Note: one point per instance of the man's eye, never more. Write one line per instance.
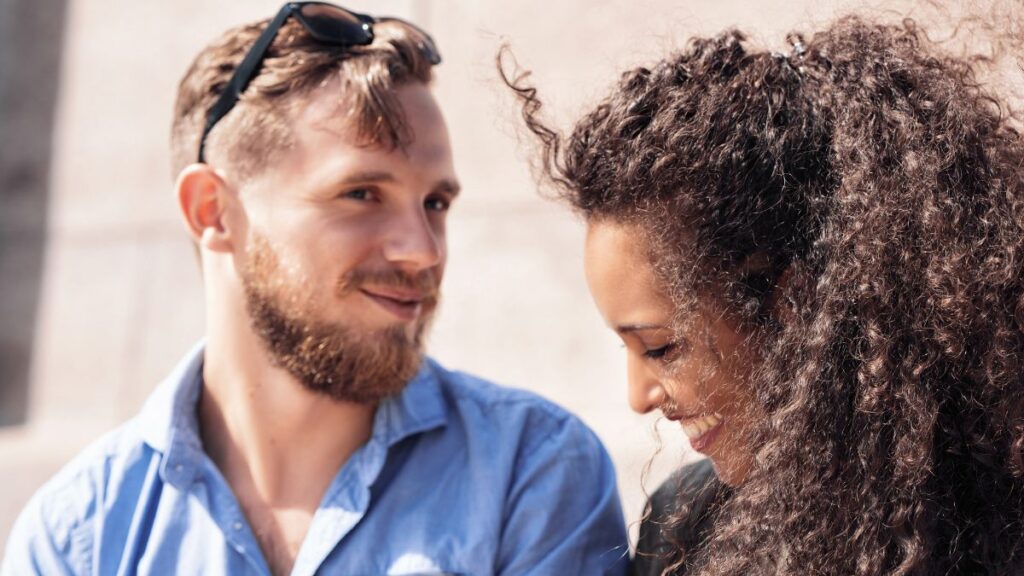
(437, 204)
(359, 194)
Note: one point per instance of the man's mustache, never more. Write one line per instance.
(424, 284)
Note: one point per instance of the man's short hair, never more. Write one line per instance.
(260, 124)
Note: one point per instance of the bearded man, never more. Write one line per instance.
(307, 433)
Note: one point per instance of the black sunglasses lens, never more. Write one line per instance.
(332, 24)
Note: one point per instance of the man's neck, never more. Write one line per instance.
(278, 445)
(258, 421)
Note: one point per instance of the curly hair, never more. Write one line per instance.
(884, 182)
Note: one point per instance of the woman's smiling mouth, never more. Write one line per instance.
(702, 430)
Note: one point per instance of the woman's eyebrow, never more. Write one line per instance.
(626, 328)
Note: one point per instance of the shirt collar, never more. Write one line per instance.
(418, 408)
(169, 415)
(170, 424)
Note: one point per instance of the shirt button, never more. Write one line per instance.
(177, 467)
(237, 525)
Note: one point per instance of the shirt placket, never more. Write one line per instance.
(227, 514)
(344, 506)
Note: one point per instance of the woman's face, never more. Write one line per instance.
(697, 381)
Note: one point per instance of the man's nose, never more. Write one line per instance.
(646, 392)
(413, 242)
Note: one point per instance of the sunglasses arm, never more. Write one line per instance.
(244, 73)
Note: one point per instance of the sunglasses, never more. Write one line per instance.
(326, 23)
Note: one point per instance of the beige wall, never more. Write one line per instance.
(119, 300)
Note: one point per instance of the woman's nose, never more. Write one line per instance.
(645, 390)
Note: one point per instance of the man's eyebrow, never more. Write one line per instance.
(367, 176)
(449, 187)
(626, 328)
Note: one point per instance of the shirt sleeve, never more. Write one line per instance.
(563, 514)
(37, 545)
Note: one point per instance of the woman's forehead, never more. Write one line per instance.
(621, 278)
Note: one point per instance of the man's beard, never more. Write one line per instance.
(344, 362)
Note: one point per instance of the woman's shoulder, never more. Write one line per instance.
(694, 486)
(684, 486)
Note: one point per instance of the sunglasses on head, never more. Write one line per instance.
(326, 23)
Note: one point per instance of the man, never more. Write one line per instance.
(307, 433)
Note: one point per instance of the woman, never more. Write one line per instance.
(815, 261)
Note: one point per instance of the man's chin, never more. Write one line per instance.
(366, 380)
(346, 363)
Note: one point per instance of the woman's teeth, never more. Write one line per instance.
(697, 427)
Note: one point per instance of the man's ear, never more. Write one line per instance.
(203, 200)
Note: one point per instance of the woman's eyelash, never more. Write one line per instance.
(656, 353)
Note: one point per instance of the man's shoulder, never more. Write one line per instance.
(508, 410)
(471, 392)
(101, 460)
(531, 455)
(63, 508)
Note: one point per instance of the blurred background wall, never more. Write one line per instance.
(99, 291)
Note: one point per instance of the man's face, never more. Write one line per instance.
(345, 248)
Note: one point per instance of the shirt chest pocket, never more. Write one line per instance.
(415, 564)
(427, 573)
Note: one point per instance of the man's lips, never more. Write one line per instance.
(404, 304)
(395, 293)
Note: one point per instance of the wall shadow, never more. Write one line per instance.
(31, 42)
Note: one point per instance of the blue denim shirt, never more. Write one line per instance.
(460, 476)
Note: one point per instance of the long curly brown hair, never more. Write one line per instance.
(884, 182)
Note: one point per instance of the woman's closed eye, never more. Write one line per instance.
(661, 352)
(669, 353)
